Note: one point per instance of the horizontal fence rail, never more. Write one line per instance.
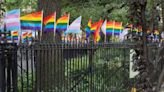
(49, 67)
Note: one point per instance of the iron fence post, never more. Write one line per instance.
(2, 70)
(91, 54)
(8, 66)
(14, 68)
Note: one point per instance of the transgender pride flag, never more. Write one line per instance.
(12, 20)
(75, 27)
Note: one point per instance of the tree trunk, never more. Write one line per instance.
(49, 60)
(49, 7)
(152, 17)
(162, 1)
(160, 81)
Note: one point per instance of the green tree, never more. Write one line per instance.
(23, 5)
(96, 9)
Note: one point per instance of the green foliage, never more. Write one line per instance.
(21, 4)
(106, 9)
(108, 71)
(22, 81)
(96, 9)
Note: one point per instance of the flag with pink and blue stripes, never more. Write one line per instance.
(12, 20)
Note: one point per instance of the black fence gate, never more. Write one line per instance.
(61, 67)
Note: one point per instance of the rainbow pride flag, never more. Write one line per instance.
(110, 27)
(156, 35)
(94, 27)
(32, 21)
(15, 35)
(88, 28)
(62, 23)
(140, 31)
(29, 35)
(156, 32)
(24, 37)
(97, 31)
(49, 22)
(12, 20)
(118, 28)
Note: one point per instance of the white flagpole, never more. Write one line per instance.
(54, 24)
(105, 38)
(105, 30)
(121, 28)
(35, 36)
(41, 26)
(19, 32)
(67, 23)
(113, 31)
(68, 20)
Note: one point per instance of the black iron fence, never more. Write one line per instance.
(61, 67)
(8, 68)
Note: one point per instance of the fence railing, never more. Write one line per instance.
(43, 67)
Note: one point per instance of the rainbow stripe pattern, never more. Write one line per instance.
(88, 28)
(12, 20)
(14, 35)
(94, 27)
(29, 35)
(97, 31)
(156, 34)
(24, 37)
(49, 22)
(32, 21)
(109, 27)
(118, 28)
(62, 23)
